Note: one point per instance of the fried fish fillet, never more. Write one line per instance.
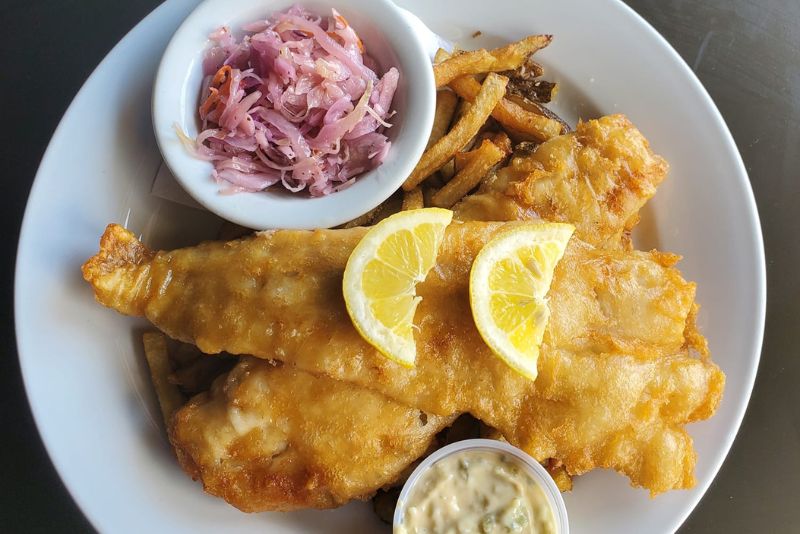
(272, 437)
(597, 178)
(617, 377)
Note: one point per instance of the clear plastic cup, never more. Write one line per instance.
(536, 471)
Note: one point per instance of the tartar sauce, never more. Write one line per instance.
(482, 492)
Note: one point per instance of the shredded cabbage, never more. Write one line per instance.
(294, 103)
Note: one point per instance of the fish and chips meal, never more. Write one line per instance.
(496, 294)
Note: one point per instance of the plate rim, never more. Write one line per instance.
(80, 501)
(742, 403)
(759, 318)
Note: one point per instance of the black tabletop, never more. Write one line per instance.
(746, 52)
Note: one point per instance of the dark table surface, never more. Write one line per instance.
(746, 52)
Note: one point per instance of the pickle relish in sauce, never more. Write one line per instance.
(477, 491)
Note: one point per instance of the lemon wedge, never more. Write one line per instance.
(508, 285)
(382, 273)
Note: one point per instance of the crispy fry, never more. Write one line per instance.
(509, 57)
(461, 110)
(461, 159)
(510, 114)
(440, 56)
(458, 65)
(483, 159)
(539, 109)
(447, 171)
(412, 200)
(500, 139)
(489, 94)
(169, 397)
(446, 102)
(514, 55)
(528, 70)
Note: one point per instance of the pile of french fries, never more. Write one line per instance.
(486, 101)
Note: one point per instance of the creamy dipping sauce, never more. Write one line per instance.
(482, 492)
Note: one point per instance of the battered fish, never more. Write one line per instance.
(617, 380)
(597, 178)
(271, 437)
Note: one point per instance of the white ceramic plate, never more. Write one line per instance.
(82, 365)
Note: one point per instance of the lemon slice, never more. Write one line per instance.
(508, 284)
(382, 274)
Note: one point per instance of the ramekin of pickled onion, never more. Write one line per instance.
(319, 125)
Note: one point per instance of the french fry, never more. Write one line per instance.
(446, 102)
(500, 139)
(510, 114)
(463, 108)
(489, 94)
(509, 57)
(461, 159)
(447, 171)
(539, 109)
(514, 55)
(483, 159)
(441, 55)
(459, 65)
(169, 396)
(412, 200)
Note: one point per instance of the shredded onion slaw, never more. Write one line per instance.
(296, 103)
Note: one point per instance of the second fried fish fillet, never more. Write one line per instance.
(271, 437)
(617, 382)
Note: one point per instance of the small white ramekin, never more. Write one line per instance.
(390, 38)
(539, 474)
